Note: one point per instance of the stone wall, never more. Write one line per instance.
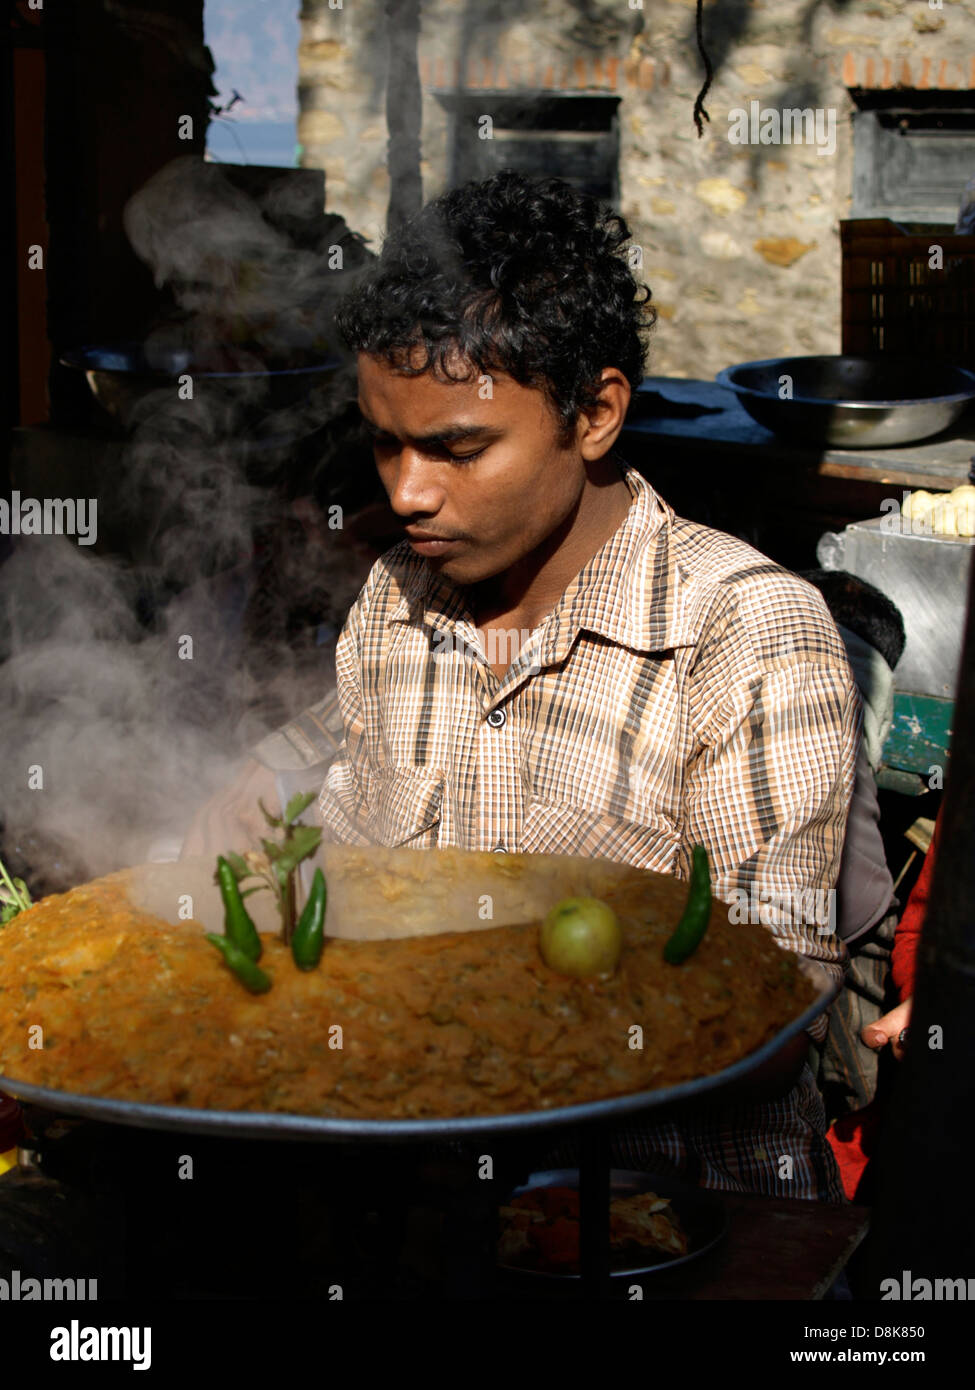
(740, 240)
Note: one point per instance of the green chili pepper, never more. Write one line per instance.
(309, 934)
(694, 921)
(249, 974)
(238, 926)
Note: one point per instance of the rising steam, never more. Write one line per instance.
(127, 725)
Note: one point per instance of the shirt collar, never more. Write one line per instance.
(632, 591)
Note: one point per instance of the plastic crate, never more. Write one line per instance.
(895, 302)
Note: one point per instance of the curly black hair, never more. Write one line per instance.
(509, 274)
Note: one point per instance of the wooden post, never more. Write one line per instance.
(404, 116)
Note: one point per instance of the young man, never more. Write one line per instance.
(551, 661)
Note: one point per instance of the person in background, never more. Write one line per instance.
(854, 1137)
(873, 633)
(892, 1028)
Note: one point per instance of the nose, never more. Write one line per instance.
(412, 484)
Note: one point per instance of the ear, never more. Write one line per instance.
(600, 425)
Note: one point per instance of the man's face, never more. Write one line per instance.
(483, 469)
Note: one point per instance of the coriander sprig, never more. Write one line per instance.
(14, 896)
(275, 867)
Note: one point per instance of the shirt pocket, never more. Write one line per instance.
(407, 807)
(553, 827)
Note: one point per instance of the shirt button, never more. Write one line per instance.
(497, 719)
(499, 848)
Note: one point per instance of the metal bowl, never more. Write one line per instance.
(123, 376)
(700, 1212)
(851, 402)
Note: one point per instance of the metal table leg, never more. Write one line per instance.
(594, 1197)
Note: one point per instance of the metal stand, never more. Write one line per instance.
(594, 1197)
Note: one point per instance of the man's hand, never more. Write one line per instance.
(888, 1030)
(231, 819)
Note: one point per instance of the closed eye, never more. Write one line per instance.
(465, 458)
(386, 441)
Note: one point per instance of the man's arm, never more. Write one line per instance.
(307, 744)
(231, 818)
(769, 793)
(310, 740)
(346, 796)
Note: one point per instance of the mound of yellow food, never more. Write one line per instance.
(462, 1023)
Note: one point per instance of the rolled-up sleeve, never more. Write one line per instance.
(310, 740)
(345, 797)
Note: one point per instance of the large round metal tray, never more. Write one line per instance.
(852, 402)
(258, 1125)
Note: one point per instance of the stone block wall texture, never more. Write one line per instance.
(740, 242)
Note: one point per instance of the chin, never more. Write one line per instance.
(466, 570)
(456, 571)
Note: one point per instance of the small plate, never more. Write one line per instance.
(700, 1212)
